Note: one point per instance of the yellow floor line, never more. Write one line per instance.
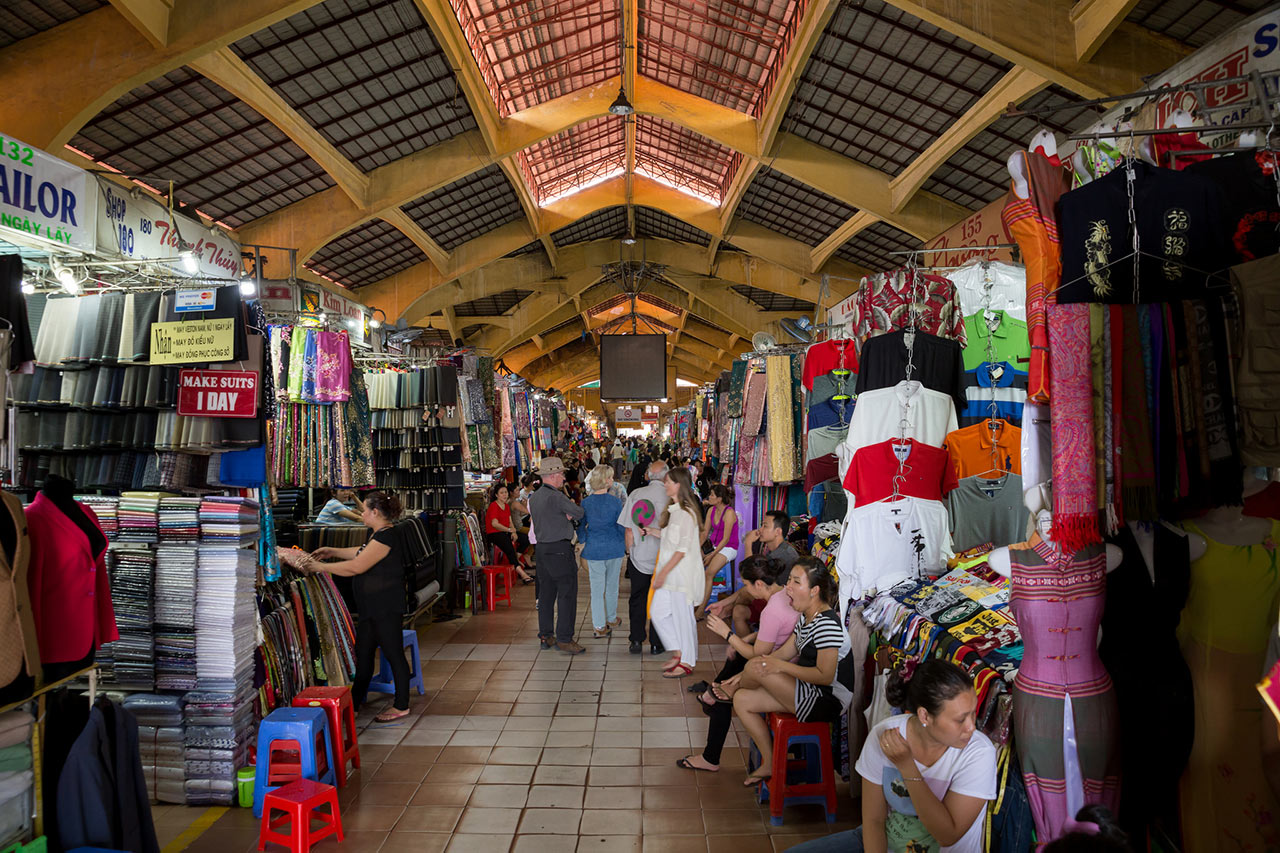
(195, 830)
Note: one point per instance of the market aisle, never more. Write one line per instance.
(518, 749)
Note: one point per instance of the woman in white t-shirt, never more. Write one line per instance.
(927, 775)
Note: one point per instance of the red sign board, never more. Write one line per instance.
(218, 393)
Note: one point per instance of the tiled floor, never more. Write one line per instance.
(517, 749)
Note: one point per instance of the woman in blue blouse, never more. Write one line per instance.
(604, 547)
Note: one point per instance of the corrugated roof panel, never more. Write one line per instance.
(767, 300)
(20, 19)
(367, 74)
(1193, 22)
(881, 85)
(789, 207)
(527, 249)
(584, 154)
(977, 174)
(493, 305)
(531, 51)
(651, 222)
(468, 208)
(223, 157)
(870, 247)
(681, 158)
(365, 254)
(728, 52)
(601, 225)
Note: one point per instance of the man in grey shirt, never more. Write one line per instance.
(642, 553)
(552, 515)
(769, 541)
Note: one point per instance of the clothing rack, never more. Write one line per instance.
(1190, 86)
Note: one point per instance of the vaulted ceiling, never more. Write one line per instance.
(454, 162)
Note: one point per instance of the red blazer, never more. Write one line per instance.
(70, 591)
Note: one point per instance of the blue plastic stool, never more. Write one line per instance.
(309, 728)
(386, 682)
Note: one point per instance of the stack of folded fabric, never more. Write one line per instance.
(106, 509)
(16, 779)
(160, 732)
(225, 616)
(179, 519)
(138, 512)
(175, 617)
(131, 569)
(232, 521)
(219, 729)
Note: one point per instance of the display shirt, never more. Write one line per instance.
(991, 445)
(987, 511)
(1248, 182)
(825, 356)
(926, 472)
(908, 298)
(936, 362)
(1181, 231)
(991, 284)
(831, 386)
(884, 543)
(994, 391)
(995, 336)
(833, 412)
(907, 410)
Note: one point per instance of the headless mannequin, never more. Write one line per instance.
(998, 559)
(61, 491)
(1079, 164)
(1046, 144)
(1230, 526)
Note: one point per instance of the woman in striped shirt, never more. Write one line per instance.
(818, 686)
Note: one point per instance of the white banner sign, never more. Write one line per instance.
(140, 228)
(316, 299)
(628, 414)
(45, 199)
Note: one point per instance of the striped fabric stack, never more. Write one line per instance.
(179, 520)
(228, 521)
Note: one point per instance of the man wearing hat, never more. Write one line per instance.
(553, 515)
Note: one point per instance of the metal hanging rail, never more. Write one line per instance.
(1049, 109)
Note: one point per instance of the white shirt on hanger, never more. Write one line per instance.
(1007, 291)
(887, 542)
(907, 410)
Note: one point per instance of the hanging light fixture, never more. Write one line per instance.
(65, 276)
(621, 106)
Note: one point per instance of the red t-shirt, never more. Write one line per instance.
(819, 470)
(826, 356)
(498, 512)
(927, 472)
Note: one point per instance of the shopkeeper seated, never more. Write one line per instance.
(343, 507)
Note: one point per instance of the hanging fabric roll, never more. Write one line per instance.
(782, 456)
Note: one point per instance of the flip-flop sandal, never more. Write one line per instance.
(686, 764)
(679, 671)
(384, 718)
(671, 665)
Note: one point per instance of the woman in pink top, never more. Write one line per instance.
(777, 622)
(720, 532)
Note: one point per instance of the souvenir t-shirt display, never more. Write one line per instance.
(907, 410)
(894, 356)
(916, 470)
(887, 542)
(825, 356)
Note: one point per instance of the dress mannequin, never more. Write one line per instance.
(1081, 164)
(999, 558)
(1018, 172)
(1146, 536)
(1045, 142)
(1225, 799)
(1064, 704)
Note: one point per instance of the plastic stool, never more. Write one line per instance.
(386, 681)
(794, 780)
(299, 800)
(338, 707)
(301, 730)
(469, 581)
(491, 575)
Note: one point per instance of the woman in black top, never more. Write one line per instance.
(378, 570)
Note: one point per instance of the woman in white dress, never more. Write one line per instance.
(677, 578)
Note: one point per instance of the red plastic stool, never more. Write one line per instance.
(782, 791)
(491, 575)
(299, 801)
(337, 704)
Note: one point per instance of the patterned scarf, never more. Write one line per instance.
(737, 383)
(1075, 495)
(1137, 459)
(781, 425)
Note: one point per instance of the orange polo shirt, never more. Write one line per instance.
(977, 450)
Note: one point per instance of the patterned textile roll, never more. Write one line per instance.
(782, 436)
(110, 319)
(754, 403)
(737, 384)
(146, 310)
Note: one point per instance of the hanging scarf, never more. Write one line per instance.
(1097, 370)
(1075, 496)
(782, 457)
(1137, 459)
(737, 382)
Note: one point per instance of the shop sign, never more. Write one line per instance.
(964, 241)
(194, 300)
(1254, 45)
(192, 341)
(137, 227)
(218, 393)
(317, 300)
(628, 413)
(42, 197)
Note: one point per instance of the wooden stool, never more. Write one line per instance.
(337, 705)
(299, 801)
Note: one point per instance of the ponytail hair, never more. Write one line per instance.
(927, 684)
(386, 505)
(757, 568)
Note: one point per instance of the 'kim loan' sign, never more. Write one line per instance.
(218, 393)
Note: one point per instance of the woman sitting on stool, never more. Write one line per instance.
(499, 532)
(818, 687)
(777, 622)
